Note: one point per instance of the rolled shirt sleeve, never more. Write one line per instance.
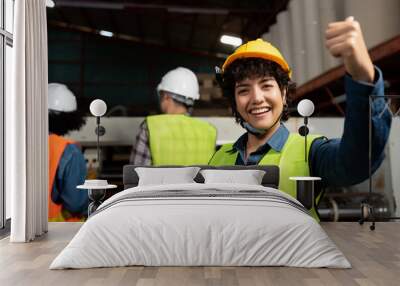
(71, 172)
(141, 154)
(345, 161)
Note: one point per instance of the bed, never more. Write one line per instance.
(201, 224)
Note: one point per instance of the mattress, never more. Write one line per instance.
(201, 225)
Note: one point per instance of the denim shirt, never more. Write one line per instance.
(71, 172)
(276, 142)
(342, 161)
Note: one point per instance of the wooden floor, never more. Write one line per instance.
(375, 256)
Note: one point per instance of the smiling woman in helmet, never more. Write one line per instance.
(67, 167)
(257, 81)
(175, 138)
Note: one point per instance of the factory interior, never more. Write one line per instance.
(120, 52)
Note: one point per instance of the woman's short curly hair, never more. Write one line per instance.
(61, 123)
(251, 68)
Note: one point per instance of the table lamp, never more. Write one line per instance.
(97, 188)
(305, 185)
(98, 108)
(305, 108)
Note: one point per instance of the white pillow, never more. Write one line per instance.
(249, 177)
(166, 176)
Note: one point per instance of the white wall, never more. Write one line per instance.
(380, 20)
(298, 50)
(305, 22)
(327, 14)
(285, 43)
(122, 131)
(312, 35)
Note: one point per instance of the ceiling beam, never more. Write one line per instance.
(215, 42)
(130, 38)
(87, 18)
(61, 14)
(189, 43)
(245, 23)
(380, 52)
(139, 26)
(252, 24)
(278, 6)
(113, 22)
(165, 29)
(334, 102)
(184, 9)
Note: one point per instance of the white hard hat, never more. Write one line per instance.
(61, 98)
(180, 81)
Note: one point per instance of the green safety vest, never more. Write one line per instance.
(290, 161)
(180, 140)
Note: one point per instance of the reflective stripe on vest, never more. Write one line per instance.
(290, 161)
(180, 140)
(57, 145)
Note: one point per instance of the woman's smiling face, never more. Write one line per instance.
(259, 101)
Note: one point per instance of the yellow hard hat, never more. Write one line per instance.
(258, 49)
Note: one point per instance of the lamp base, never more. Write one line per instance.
(305, 190)
(96, 196)
(96, 193)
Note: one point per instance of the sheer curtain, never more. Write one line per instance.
(27, 123)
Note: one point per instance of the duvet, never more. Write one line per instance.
(201, 224)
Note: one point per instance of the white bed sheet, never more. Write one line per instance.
(202, 231)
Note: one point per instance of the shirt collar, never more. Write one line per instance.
(276, 142)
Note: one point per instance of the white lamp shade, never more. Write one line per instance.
(98, 107)
(305, 108)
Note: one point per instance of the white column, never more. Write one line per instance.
(266, 37)
(273, 30)
(380, 20)
(313, 43)
(285, 31)
(299, 64)
(327, 14)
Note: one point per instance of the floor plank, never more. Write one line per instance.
(374, 255)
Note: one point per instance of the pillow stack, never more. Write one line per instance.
(185, 175)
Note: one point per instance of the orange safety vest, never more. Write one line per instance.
(57, 145)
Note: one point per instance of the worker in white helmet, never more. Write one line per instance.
(175, 138)
(67, 167)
